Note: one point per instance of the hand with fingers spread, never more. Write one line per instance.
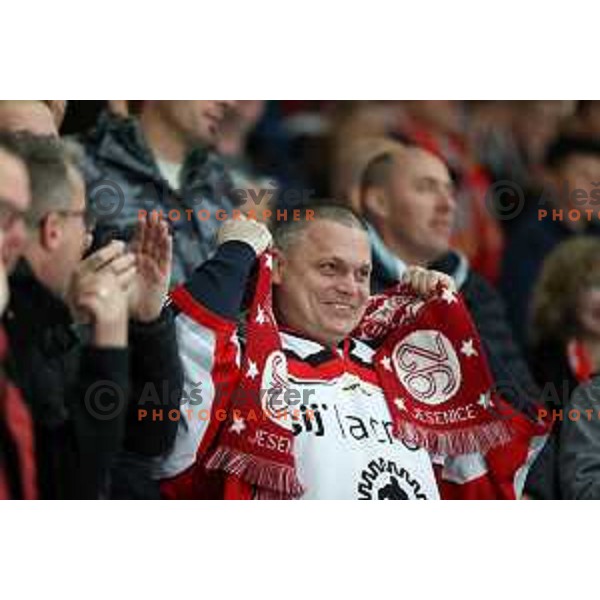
(153, 249)
(251, 232)
(99, 293)
(425, 281)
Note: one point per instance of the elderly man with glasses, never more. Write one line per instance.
(90, 338)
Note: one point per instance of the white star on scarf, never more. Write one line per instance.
(400, 403)
(467, 348)
(385, 361)
(448, 296)
(252, 370)
(269, 261)
(485, 401)
(261, 317)
(238, 425)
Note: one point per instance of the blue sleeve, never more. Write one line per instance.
(219, 284)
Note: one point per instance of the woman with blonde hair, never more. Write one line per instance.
(565, 348)
(565, 312)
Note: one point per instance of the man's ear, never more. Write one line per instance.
(50, 232)
(375, 203)
(278, 266)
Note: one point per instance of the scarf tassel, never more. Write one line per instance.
(475, 439)
(274, 480)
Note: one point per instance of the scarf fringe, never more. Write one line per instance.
(264, 494)
(474, 439)
(274, 480)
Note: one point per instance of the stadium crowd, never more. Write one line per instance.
(135, 240)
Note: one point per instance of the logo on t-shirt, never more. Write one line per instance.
(384, 480)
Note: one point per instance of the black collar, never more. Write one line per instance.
(32, 302)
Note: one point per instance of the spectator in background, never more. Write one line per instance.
(407, 196)
(573, 166)
(512, 137)
(14, 201)
(17, 460)
(235, 129)
(84, 384)
(438, 126)
(162, 160)
(565, 352)
(232, 146)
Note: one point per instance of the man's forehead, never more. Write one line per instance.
(324, 237)
(14, 180)
(422, 163)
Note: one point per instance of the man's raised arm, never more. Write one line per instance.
(219, 284)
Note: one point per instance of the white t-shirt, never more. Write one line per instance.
(345, 449)
(170, 171)
(344, 446)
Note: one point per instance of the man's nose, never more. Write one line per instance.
(447, 201)
(347, 285)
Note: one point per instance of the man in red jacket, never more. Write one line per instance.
(331, 393)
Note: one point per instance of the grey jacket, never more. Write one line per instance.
(122, 179)
(579, 454)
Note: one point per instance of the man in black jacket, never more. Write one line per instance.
(85, 377)
(407, 197)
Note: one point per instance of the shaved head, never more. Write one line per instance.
(408, 197)
(287, 233)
